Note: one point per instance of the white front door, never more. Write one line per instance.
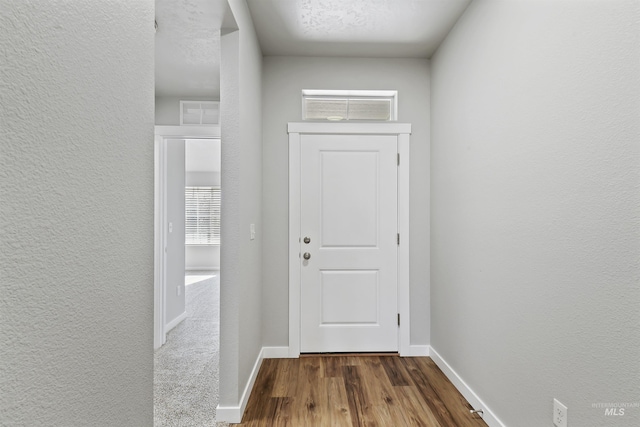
(348, 229)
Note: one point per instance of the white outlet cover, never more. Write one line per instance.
(559, 414)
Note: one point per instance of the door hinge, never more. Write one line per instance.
(398, 319)
(398, 159)
(398, 239)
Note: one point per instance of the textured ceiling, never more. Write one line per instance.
(188, 47)
(188, 40)
(379, 28)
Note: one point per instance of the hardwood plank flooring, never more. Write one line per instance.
(356, 391)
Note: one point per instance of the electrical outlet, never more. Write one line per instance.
(178, 290)
(559, 414)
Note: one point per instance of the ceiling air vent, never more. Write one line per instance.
(199, 112)
(336, 105)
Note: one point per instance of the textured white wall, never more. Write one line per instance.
(284, 79)
(76, 213)
(230, 267)
(241, 258)
(536, 207)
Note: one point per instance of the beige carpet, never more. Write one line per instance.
(186, 367)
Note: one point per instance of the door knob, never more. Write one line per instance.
(306, 255)
(307, 240)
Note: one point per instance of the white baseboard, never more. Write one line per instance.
(475, 401)
(233, 414)
(188, 269)
(175, 322)
(275, 352)
(415, 351)
(230, 414)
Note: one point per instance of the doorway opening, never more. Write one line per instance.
(187, 272)
(172, 257)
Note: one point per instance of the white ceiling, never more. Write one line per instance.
(188, 47)
(188, 40)
(361, 28)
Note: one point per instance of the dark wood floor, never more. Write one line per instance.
(346, 391)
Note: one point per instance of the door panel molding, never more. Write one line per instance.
(349, 212)
(402, 131)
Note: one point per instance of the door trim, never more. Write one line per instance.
(403, 131)
(162, 134)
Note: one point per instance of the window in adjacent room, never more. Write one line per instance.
(202, 216)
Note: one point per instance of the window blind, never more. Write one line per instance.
(335, 105)
(202, 216)
(347, 109)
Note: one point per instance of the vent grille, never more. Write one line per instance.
(199, 112)
(349, 105)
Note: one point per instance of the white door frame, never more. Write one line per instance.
(162, 134)
(403, 131)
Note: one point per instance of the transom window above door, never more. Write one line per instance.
(354, 105)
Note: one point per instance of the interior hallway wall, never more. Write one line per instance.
(284, 78)
(241, 259)
(76, 213)
(536, 207)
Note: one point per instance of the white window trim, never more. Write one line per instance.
(162, 134)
